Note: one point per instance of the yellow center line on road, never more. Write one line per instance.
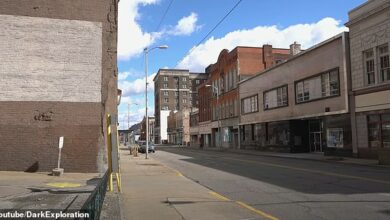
(219, 196)
(259, 212)
(244, 205)
(306, 170)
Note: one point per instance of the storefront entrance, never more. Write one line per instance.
(315, 135)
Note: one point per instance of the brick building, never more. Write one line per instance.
(369, 26)
(58, 77)
(230, 68)
(174, 89)
(151, 121)
(300, 105)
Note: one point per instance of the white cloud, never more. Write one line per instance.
(137, 86)
(132, 73)
(123, 75)
(131, 39)
(186, 25)
(305, 34)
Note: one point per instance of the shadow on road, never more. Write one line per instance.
(304, 176)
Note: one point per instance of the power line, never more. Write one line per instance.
(215, 27)
(164, 15)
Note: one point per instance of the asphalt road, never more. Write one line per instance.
(282, 188)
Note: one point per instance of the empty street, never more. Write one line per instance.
(283, 188)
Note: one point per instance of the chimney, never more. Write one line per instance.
(267, 55)
(295, 48)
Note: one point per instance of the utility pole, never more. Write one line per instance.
(146, 52)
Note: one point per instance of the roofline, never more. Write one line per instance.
(172, 70)
(359, 18)
(298, 55)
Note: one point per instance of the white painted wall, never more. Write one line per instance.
(44, 59)
(164, 124)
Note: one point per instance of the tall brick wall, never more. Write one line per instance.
(60, 80)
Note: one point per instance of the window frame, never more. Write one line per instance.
(380, 124)
(365, 60)
(276, 88)
(250, 102)
(314, 76)
(379, 66)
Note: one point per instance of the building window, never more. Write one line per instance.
(369, 66)
(378, 130)
(184, 100)
(166, 93)
(249, 104)
(197, 82)
(176, 93)
(335, 137)
(166, 100)
(384, 63)
(165, 85)
(184, 86)
(165, 78)
(324, 85)
(184, 93)
(276, 98)
(184, 79)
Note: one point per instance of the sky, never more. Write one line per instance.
(253, 23)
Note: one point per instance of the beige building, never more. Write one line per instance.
(300, 105)
(369, 26)
(179, 127)
(174, 89)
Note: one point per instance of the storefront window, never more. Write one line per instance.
(386, 130)
(278, 133)
(335, 137)
(379, 130)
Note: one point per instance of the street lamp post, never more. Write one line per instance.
(146, 51)
(218, 115)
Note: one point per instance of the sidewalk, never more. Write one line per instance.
(151, 190)
(20, 190)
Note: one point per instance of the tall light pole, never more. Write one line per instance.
(146, 51)
(218, 115)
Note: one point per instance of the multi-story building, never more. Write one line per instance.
(230, 68)
(194, 128)
(204, 124)
(58, 78)
(369, 26)
(151, 132)
(300, 105)
(174, 89)
(179, 127)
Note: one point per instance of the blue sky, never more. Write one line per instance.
(252, 23)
